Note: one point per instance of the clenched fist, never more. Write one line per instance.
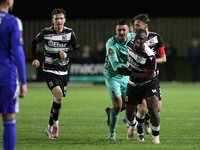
(62, 54)
(36, 63)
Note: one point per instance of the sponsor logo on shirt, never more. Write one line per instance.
(56, 44)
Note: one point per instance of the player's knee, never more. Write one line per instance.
(58, 93)
(57, 100)
(117, 108)
(153, 112)
(142, 109)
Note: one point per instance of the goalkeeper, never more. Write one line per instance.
(116, 56)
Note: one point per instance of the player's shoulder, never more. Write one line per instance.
(153, 34)
(111, 41)
(68, 29)
(148, 50)
(15, 21)
(131, 35)
(19, 22)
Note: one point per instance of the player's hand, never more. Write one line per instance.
(23, 91)
(62, 54)
(123, 71)
(127, 64)
(36, 63)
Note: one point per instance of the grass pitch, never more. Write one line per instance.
(82, 121)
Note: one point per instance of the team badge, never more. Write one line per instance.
(110, 52)
(64, 37)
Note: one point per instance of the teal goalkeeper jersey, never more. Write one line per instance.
(116, 56)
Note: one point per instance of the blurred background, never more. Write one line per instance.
(94, 23)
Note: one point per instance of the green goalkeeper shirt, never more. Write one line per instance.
(116, 56)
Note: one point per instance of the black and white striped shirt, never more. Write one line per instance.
(139, 62)
(53, 43)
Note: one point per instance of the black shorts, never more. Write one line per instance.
(54, 80)
(135, 94)
(159, 91)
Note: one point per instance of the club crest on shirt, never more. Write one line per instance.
(110, 52)
(64, 37)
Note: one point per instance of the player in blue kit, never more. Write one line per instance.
(116, 56)
(12, 63)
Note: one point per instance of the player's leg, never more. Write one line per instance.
(55, 111)
(131, 117)
(8, 97)
(152, 104)
(141, 111)
(114, 115)
(147, 127)
(57, 84)
(132, 97)
(114, 89)
(123, 91)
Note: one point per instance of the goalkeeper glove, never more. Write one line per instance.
(123, 71)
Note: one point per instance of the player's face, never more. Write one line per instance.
(122, 32)
(58, 20)
(138, 24)
(139, 41)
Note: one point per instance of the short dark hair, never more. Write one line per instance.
(123, 22)
(58, 11)
(141, 31)
(3, 2)
(142, 17)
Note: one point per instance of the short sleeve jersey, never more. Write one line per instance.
(155, 42)
(116, 56)
(53, 43)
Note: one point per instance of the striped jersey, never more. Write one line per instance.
(155, 42)
(53, 43)
(139, 62)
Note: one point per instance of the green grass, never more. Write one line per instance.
(83, 125)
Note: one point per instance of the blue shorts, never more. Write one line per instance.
(9, 96)
(117, 87)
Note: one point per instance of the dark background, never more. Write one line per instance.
(90, 9)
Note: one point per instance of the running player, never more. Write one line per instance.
(12, 63)
(57, 42)
(155, 42)
(116, 56)
(142, 84)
